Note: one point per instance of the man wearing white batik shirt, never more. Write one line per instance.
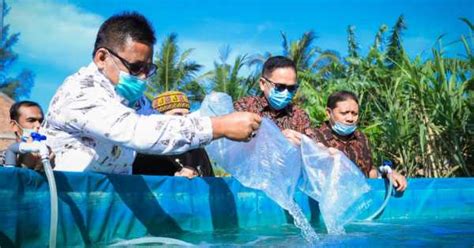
(90, 123)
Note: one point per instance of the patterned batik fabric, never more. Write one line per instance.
(290, 117)
(355, 147)
(90, 127)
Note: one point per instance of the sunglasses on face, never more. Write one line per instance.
(137, 68)
(282, 87)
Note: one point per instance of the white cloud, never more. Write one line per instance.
(57, 34)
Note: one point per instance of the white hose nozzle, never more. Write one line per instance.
(30, 147)
(35, 147)
(385, 169)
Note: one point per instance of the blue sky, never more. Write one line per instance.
(57, 36)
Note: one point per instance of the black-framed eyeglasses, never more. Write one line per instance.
(282, 87)
(137, 68)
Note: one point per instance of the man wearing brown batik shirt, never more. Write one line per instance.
(278, 84)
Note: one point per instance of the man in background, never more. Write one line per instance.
(279, 83)
(25, 118)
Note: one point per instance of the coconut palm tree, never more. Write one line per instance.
(305, 55)
(175, 70)
(226, 77)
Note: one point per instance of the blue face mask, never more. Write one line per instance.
(130, 87)
(26, 134)
(343, 129)
(279, 99)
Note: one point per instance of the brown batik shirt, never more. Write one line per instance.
(291, 117)
(355, 147)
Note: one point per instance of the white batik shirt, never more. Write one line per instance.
(90, 127)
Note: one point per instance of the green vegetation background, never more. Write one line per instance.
(416, 112)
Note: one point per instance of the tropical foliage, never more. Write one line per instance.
(227, 77)
(417, 112)
(175, 70)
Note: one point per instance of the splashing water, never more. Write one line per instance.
(272, 164)
(273, 167)
(302, 223)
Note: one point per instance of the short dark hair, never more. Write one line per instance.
(340, 96)
(113, 33)
(15, 109)
(277, 62)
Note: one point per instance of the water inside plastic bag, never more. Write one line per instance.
(269, 162)
(334, 181)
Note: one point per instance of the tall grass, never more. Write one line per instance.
(417, 113)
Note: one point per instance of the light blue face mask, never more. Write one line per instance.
(343, 129)
(130, 87)
(279, 99)
(26, 134)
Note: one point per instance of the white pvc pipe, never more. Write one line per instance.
(41, 147)
(53, 196)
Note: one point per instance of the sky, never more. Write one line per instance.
(57, 36)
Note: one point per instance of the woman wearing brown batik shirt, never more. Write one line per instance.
(340, 132)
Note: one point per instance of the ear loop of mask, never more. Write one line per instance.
(25, 132)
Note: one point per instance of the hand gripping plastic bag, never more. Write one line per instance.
(267, 162)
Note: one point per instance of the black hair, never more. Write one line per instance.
(277, 62)
(15, 109)
(113, 33)
(340, 96)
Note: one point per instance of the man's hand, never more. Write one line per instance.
(399, 181)
(33, 160)
(186, 172)
(237, 126)
(293, 136)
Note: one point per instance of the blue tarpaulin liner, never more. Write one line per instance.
(101, 209)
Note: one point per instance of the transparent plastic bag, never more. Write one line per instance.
(334, 181)
(216, 104)
(267, 162)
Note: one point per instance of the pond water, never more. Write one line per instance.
(400, 233)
